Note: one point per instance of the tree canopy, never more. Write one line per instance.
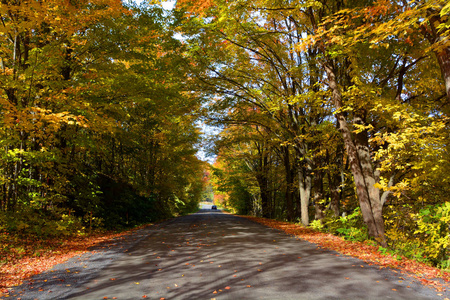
(334, 114)
(331, 108)
(98, 118)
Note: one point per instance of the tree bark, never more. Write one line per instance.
(289, 183)
(305, 183)
(359, 163)
(318, 195)
(365, 161)
(444, 63)
(435, 36)
(263, 183)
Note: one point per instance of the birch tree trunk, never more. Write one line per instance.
(305, 183)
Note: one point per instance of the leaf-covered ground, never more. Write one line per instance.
(23, 258)
(369, 253)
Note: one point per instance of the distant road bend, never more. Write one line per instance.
(213, 255)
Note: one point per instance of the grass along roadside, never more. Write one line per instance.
(427, 275)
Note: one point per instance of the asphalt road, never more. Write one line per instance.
(212, 255)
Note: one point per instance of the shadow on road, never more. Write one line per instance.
(215, 255)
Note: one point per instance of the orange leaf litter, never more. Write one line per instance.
(14, 272)
(368, 253)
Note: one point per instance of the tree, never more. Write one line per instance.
(253, 67)
(94, 98)
(289, 66)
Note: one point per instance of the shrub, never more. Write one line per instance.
(351, 227)
(422, 235)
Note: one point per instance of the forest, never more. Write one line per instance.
(332, 114)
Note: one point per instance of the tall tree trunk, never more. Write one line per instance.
(318, 194)
(305, 184)
(359, 162)
(263, 189)
(263, 181)
(289, 184)
(443, 57)
(335, 200)
(363, 151)
(442, 52)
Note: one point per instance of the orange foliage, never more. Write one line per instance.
(196, 7)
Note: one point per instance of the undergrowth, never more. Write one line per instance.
(423, 235)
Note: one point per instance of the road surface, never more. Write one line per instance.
(213, 255)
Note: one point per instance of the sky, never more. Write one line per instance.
(168, 5)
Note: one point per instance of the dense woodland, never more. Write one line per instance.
(98, 118)
(333, 113)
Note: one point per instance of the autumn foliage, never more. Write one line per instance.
(334, 114)
(333, 109)
(97, 122)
